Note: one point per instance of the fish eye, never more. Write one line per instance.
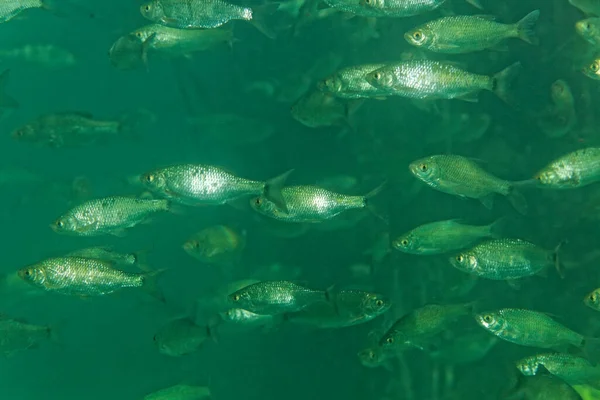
(138, 34)
(27, 272)
(378, 302)
(404, 242)
(595, 66)
(423, 167)
(147, 7)
(417, 35)
(235, 297)
(487, 318)
(593, 296)
(389, 340)
(258, 201)
(149, 178)
(377, 75)
(59, 224)
(460, 258)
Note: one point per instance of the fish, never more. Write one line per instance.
(217, 244)
(106, 254)
(183, 392)
(76, 129)
(542, 387)
(180, 337)
(275, 297)
(570, 368)
(443, 236)
(128, 53)
(592, 299)
(85, 277)
(201, 184)
(17, 335)
(560, 117)
(11, 8)
(45, 55)
(592, 70)
(504, 259)
(317, 109)
(374, 356)
(186, 14)
(401, 8)
(311, 204)
(417, 327)
(573, 170)
(589, 29)
(248, 319)
(530, 328)
(108, 216)
(469, 33)
(463, 177)
(426, 79)
(344, 308)
(351, 83)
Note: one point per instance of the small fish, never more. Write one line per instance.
(45, 55)
(504, 259)
(16, 336)
(542, 387)
(186, 14)
(592, 299)
(11, 8)
(443, 236)
(180, 337)
(418, 326)
(311, 204)
(276, 297)
(559, 118)
(108, 216)
(571, 369)
(571, 171)
(183, 392)
(462, 177)
(75, 129)
(592, 70)
(530, 328)
(589, 29)
(317, 109)
(217, 244)
(106, 254)
(77, 276)
(128, 53)
(200, 184)
(469, 33)
(374, 356)
(351, 83)
(344, 308)
(426, 79)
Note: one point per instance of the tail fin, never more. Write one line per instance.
(526, 27)
(273, 187)
(496, 228)
(502, 81)
(5, 100)
(517, 200)
(259, 18)
(150, 284)
(369, 205)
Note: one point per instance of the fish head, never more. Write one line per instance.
(425, 169)
(371, 357)
(265, 206)
(25, 133)
(380, 78)
(420, 36)
(154, 180)
(592, 70)
(64, 224)
(406, 243)
(592, 299)
(587, 28)
(240, 297)
(34, 275)
(560, 91)
(375, 304)
(152, 10)
(528, 366)
(372, 3)
(465, 262)
(491, 321)
(332, 84)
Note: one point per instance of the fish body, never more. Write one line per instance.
(77, 276)
(181, 392)
(200, 184)
(418, 326)
(247, 319)
(401, 8)
(543, 387)
(217, 244)
(574, 170)
(11, 8)
(109, 215)
(18, 336)
(275, 297)
(427, 79)
(351, 83)
(462, 177)
(571, 369)
(180, 337)
(179, 42)
(465, 33)
(441, 237)
(317, 109)
(103, 253)
(345, 308)
(504, 259)
(529, 328)
(310, 204)
(560, 117)
(67, 130)
(186, 14)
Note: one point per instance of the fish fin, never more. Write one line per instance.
(273, 187)
(487, 201)
(259, 19)
(514, 283)
(486, 17)
(526, 182)
(150, 283)
(556, 259)
(518, 201)
(591, 349)
(502, 81)
(475, 3)
(497, 227)
(526, 27)
(145, 46)
(121, 233)
(472, 97)
(5, 100)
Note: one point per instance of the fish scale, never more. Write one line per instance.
(11, 8)
(572, 369)
(185, 14)
(402, 8)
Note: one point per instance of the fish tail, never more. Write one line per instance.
(6, 101)
(502, 81)
(258, 18)
(150, 284)
(272, 189)
(367, 199)
(526, 27)
(556, 258)
(518, 201)
(497, 227)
